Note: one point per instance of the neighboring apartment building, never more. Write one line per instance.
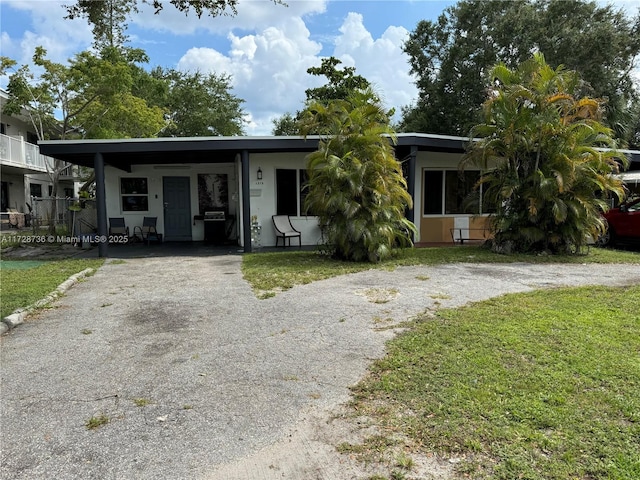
(23, 170)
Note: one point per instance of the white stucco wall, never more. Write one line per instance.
(262, 200)
(263, 196)
(154, 177)
(16, 127)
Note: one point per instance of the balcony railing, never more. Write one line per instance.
(18, 153)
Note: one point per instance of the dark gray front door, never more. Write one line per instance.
(177, 208)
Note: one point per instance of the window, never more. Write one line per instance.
(134, 194)
(291, 192)
(451, 192)
(460, 195)
(35, 190)
(432, 192)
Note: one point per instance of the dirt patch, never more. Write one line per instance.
(310, 451)
(379, 294)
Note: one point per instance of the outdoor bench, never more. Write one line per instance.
(472, 235)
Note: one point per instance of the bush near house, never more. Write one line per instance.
(546, 174)
(356, 187)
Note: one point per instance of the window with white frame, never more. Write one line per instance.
(134, 194)
(451, 192)
(291, 192)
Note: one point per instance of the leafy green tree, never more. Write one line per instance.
(451, 57)
(546, 160)
(73, 91)
(95, 11)
(126, 116)
(341, 83)
(108, 18)
(88, 95)
(287, 124)
(200, 105)
(356, 187)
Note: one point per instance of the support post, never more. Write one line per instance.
(411, 181)
(246, 202)
(101, 205)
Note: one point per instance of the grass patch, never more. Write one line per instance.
(440, 296)
(19, 291)
(275, 271)
(141, 402)
(96, 422)
(542, 385)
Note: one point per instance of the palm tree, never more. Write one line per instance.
(546, 160)
(355, 183)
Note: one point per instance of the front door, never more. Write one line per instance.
(177, 208)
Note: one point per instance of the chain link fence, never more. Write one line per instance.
(71, 215)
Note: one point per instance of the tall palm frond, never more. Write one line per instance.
(541, 153)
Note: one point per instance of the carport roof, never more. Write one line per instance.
(123, 153)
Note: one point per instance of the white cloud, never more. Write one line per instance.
(381, 61)
(268, 69)
(252, 15)
(48, 28)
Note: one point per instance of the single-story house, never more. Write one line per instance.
(181, 180)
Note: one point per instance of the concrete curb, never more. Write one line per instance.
(17, 318)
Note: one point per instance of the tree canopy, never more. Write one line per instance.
(452, 57)
(108, 17)
(546, 160)
(198, 104)
(95, 11)
(80, 99)
(340, 84)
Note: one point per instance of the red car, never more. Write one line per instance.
(624, 223)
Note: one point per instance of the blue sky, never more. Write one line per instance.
(266, 48)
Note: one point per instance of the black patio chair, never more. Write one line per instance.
(118, 228)
(147, 232)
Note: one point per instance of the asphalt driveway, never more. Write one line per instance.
(198, 379)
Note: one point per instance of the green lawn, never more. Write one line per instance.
(21, 287)
(542, 385)
(269, 272)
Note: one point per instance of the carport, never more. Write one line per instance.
(123, 154)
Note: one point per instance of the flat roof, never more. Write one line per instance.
(123, 153)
